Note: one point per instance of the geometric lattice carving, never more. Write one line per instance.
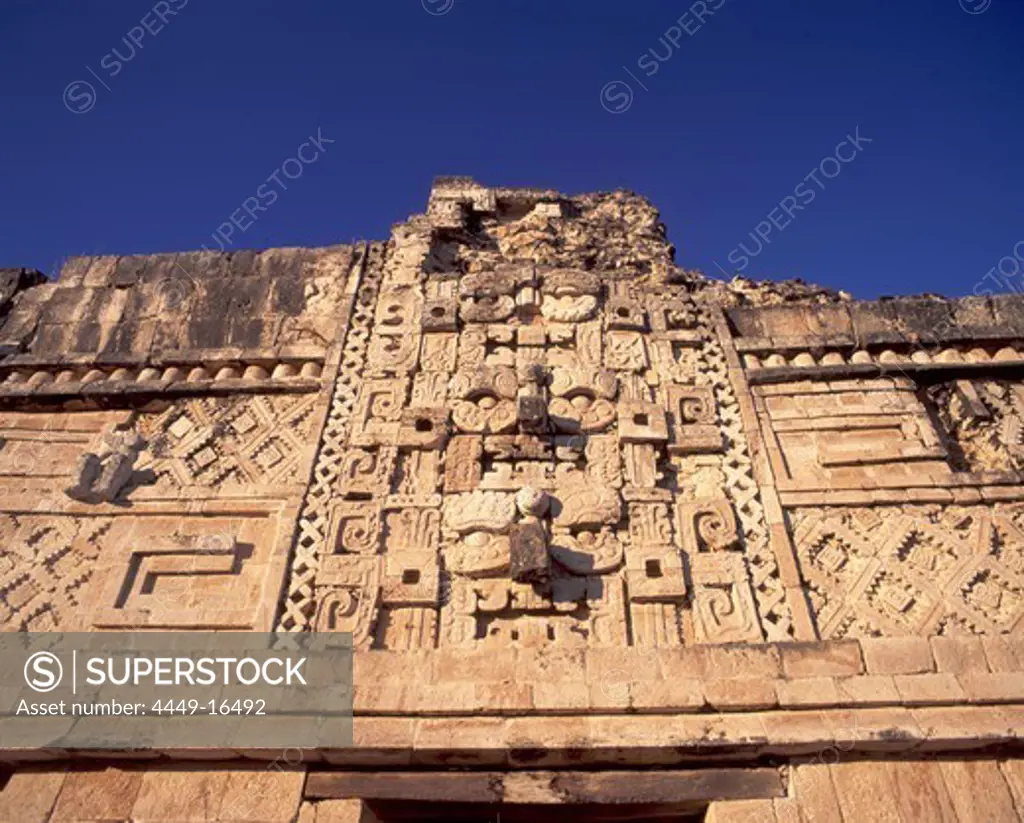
(305, 593)
(212, 441)
(742, 490)
(985, 422)
(913, 571)
(46, 565)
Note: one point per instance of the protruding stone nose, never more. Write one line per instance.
(529, 558)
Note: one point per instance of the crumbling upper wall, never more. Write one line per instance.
(12, 283)
(618, 233)
(134, 308)
(903, 321)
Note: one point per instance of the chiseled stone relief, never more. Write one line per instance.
(156, 485)
(913, 570)
(526, 451)
(517, 422)
(516, 427)
(985, 423)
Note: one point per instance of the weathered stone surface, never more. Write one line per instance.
(337, 811)
(865, 790)
(201, 794)
(978, 790)
(897, 655)
(103, 794)
(530, 562)
(921, 791)
(608, 511)
(812, 660)
(13, 281)
(29, 796)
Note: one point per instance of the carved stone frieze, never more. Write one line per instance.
(913, 570)
(487, 297)
(413, 529)
(399, 309)
(582, 399)
(627, 314)
(654, 574)
(355, 528)
(516, 422)
(438, 356)
(462, 468)
(378, 411)
(641, 422)
(569, 296)
(47, 567)
(479, 554)
(394, 354)
(417, 473)
(439, 315)
(479, 511)
(723, 603)
(486, 400)
(349, 591)
(410, 578)
(640, 461)
(693, 427)
(583, 505)
(707, 526)
(423, 428)
(587, 552)
(625, 351)
(366, 472)
(531, 428)
(649, 524)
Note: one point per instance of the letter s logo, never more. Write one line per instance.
(43, 672)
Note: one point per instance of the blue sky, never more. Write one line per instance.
(719, 111)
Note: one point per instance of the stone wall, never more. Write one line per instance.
(159, 416)
(609, 512)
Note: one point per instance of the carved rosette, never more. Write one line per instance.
(485, 400)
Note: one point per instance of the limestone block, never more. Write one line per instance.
(29, 795)
(808, 692)
(98, 794)
(921, 791)
(812, 786)
(959, 655)
(865, 790)
(201, 794)
(833, 659)
(978, 790)
(897, 655)
(642, 423)
(724, 608)
(655, 574)
(741, 693)
(741, 811)
(529, 559)
(867, 690)
(984, 687)
(336, 811)
(929, 689)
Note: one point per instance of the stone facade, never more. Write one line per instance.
(606, 532)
